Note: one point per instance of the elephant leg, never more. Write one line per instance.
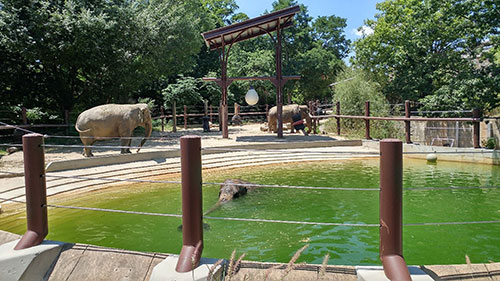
(124, 143)
(87, 151)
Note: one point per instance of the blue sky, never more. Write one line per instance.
(355, 11)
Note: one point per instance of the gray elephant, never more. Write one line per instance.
(230, 189)
(113, 121)
(288, 111)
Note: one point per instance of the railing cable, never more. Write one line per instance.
(17, 127)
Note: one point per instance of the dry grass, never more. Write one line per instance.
(273, 273)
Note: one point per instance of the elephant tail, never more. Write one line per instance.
(80, 130)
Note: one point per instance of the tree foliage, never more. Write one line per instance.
(59, 54)
(75, 54)
(439, 52)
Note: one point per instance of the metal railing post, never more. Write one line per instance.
(476, 114)
(338, 118)
(174, 117)
(185, 117)
(24, 115)
(192, 228)
(36, 198)
(162, 112)
(367, 121)
(391, 207)
(407, 123)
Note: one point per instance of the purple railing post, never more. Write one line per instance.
(407, 123)
(367, 121)
(338, 118)
(391, 210)
(192, 228)
(36, 198)
(476, 114)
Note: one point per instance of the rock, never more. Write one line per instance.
(12, 149)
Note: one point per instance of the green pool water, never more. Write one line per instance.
(346, 245)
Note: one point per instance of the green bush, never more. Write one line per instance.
(490, 143)
(354, 88)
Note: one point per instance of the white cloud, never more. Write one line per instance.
(363, 31)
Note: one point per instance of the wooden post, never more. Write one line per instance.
(36, 190)
(267, 112)
(407, 123)
(185, 117)
(338, 118)
(367, 121)
(162, 112)
(24, 116)
(210, 113)
(476, 114)
(391, 210)
(192, 228)
(66, 117)
(205, 105)
(174, 117)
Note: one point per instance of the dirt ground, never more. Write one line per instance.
(245, 134)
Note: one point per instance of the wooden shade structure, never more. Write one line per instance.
(223, 38)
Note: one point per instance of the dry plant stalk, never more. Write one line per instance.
(211, 269)
(231, 265)
(322, 270)
(291, 264)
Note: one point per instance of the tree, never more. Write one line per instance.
(434, 51)
(62, 54)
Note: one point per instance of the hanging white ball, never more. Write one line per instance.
(432, 157)
(252, 97)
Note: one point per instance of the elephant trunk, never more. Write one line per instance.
(149, 128)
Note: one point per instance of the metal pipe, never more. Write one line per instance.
(391, 206)
(367, 121)
(192, 230)
(407, 123)
(35, 186)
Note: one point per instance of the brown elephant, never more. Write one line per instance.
(113, 121)
(288, 111)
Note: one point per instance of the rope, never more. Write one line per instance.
(285, 149)
(105, 138)
(261, 185)
(113, 211)
(294, 222)
(103, 146)
(12, 200)
(256, 220)
(17, 127)
(450, 223)
(111, 179)
(451, 188)
(297, 186)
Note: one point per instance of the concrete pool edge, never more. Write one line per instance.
(76, 261)
(450, 154)
(72, 164)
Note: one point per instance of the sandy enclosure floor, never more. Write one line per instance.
(246, 134)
